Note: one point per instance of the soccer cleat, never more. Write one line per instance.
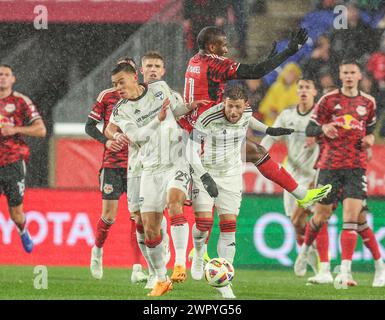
(160, 288)
(344, 280)
(197, 267)
(151, 281)
(27, 241)
(314, 195)
(379, 277)
(191, 254)
(300, 265)
(226, 292)
(313, 259)
(166, 246)
(322, 277)
(96, 265)
(179, 274)
(137, 274)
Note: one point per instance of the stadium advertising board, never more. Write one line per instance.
(78, 161)
(62, 224)
(81, 11)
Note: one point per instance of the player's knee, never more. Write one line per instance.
(175, 208)
(204, 224)
(255, 154)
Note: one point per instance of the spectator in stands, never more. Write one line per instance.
(199, 14)
(355, 41)
(325, 80)
(320, 58)
(281, 94)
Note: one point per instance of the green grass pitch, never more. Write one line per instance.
(76, 283)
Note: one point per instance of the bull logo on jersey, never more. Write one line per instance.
(159, 95)
(348, 122)
(10, 107)
(108, 188)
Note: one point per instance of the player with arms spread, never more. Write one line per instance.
(205, 78)
(18, 117)
(344, 119)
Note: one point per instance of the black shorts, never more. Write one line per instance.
(12, 182)
(113, 182)
(347, 183)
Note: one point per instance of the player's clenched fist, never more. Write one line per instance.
(210, 185)
(8, 129)
(330, 130)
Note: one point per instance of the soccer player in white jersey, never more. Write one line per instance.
(146, 115)
(152, 68)
(217, 174)
(301, 159)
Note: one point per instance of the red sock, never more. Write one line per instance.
(311, 232)
(300, 239)
(136, 253)
(370, 241)
(276, 173)
(323, 243)
(102, 229)
(348, 243)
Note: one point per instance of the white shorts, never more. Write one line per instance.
(133, 190)
(289, 201)
(154, 187)
(229, 195)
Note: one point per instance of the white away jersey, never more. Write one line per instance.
(301, 159)
(222, 140)
(161, 144)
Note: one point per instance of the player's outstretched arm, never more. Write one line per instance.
(94, 132)
(256, 71)
(35, 129)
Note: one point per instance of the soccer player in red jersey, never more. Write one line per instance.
(113, 178)
(205, 79)
(18, 117)
(344, 120)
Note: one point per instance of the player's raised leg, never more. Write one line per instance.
(18, 217)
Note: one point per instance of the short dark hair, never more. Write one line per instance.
(307, 79)
(235, 93)
(125, 67)
(209, 35)
(350, 61)
(127, 59)
(3, 65)
(152, 55)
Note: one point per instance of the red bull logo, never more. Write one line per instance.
(348, 122)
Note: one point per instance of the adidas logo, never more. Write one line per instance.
(232, 244)
(136, 111)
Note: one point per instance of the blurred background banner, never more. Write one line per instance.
(61, 224)
(82, 11)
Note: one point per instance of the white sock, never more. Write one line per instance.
(325, 267)
(226, 246)
(378, 264)
(163, 226)
(299, 192)
(156, 258)
(180, 235)
(98, 251)
(346, 266)
(143, 249)
(199, 239)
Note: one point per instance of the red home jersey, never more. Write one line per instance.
(352, 116)
(205, 79)
(102, 110)
(18, 110)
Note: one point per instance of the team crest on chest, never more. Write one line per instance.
(159, 95)
(361, 110)
(10, 107)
